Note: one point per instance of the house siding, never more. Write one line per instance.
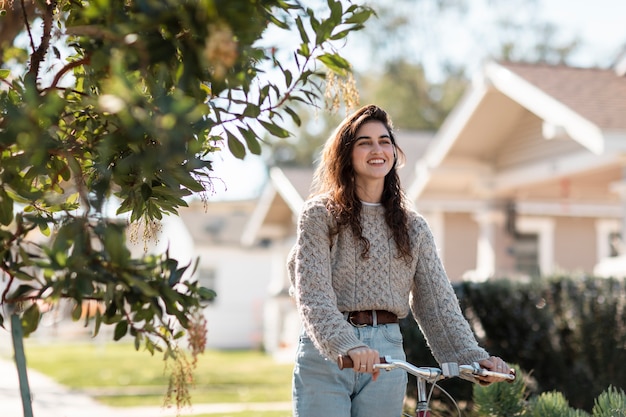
(526, 144)
(460, 235)
(575, 244)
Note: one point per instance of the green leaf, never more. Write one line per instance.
(4, 73)
(252, 111)
(304, 50)
(114, 241)
(77, 311)
(303, 34)
(335, 63)
(121, 328)
(278, 23)
(30, 319)
(206, 294)
(360, 17)
(6, 208)
(21, 291)
(146, 191)
(235, 146)
(340, 35)
(294, 116)
(275, 130)
(288, 77)
(252, 140)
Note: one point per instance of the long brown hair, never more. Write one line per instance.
(335, 177)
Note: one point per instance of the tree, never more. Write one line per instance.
(124, 102)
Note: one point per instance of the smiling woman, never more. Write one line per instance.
(361, 260)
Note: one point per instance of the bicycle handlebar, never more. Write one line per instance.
(447, 370)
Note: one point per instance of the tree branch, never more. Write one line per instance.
(40, 53)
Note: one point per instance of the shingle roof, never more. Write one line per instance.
(598, 95)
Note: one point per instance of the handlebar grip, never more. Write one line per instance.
(345, 362)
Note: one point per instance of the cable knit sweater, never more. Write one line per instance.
(329, 278)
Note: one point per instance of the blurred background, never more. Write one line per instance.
(512, 114)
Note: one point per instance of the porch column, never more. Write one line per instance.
(619, 188)
(487, 220)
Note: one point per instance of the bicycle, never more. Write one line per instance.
(431, 375)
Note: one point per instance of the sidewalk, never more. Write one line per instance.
(53, 400)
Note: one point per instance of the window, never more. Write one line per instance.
(526, 254)
(616, 245)
(608, 238)
(539, 230)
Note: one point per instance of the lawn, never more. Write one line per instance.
(118, 375)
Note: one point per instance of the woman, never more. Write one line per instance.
(363, 258)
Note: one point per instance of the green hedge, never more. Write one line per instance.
(567, 333)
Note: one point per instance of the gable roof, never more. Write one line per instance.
(598, 95)
(216, 222)
(585, 105)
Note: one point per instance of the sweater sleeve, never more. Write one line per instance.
(436, 308)
(309, 268)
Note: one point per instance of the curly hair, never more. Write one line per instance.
(334, 176)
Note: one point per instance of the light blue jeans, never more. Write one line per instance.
(320, 388)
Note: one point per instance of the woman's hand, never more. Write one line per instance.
(494, 364)
(364, 359)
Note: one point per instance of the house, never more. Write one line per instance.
(240, 275)
(526, 177)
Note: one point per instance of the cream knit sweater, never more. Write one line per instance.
(328, 278)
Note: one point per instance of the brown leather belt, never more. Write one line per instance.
(370, 317)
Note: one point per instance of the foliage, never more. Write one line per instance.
(122, 104)
(502, 399)
(610, 403)
(554, 404)
(566, 330)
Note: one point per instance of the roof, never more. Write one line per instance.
(598, 95)
(584, 106)
(217, 222)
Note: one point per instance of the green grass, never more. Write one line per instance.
(118, 375)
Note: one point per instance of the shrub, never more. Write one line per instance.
(569, 333)
(611, 403)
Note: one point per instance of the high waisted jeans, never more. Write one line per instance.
(320, 388)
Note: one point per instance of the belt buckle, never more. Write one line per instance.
(353, 323)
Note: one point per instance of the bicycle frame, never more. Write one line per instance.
(424, 375)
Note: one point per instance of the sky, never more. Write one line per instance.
(600, 25)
